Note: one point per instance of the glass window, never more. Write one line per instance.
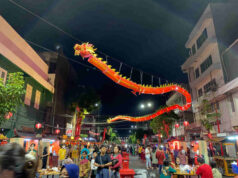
(202, 38)
(206, 64)
(193, 49)
(28, 95)
(37, 99)
(200, 93)
(209, 86)
(197, 73)
(3, 75)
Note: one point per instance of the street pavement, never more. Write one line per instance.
(140, 168)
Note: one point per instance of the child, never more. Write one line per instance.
(215, 172)
(84, 167)
(166, 170)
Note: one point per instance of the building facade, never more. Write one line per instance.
(16, 55)
(214, 32)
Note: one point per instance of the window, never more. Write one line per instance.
(209, 86)
(3, 75)
(193, 49)
(206, 64)
(200, 93)
(37, 99)
(202, 38)
(197, 73)
(232, 103)
(28, 95)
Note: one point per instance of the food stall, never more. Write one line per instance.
(225, 152)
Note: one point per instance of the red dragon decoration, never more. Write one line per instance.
(87, 50)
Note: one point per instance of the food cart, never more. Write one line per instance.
(224, 152)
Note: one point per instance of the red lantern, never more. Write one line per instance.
(176, 125)
(8, 115)
(38, 125)
(57, 131)
(185, 123)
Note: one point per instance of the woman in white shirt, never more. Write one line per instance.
(93, 167)
(148, 157)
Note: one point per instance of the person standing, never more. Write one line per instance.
(182, 157)
(215, 172)
(115, 168)
(154, 159)
(83, 150)
(161, 157)
(93, 167)
(148, 157)
(44, 158)
(84, 166)
(204, 170)
(103, 161)
(192, 155)
(62, 156)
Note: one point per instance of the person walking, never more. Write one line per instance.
(103, 161)
(204, 170)
(192, 155)
(83, 150)
(118, 157)
(148, 157)
(154, 159)
(160, 157)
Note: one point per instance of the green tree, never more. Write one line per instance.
(208, 116)
(11, 94)
(157, 124)
(132, 138)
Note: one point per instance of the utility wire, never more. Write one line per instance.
(67, 33)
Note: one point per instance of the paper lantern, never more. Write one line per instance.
(87, 50)
(176, 126)
(57, 131)
(38, 125)
(185, 123)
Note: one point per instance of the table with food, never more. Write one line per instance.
(185, 170)
(49, 173)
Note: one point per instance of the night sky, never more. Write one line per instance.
(146, 34)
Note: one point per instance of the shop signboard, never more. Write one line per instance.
(69, 128)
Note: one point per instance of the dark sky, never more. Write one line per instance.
(146, 34)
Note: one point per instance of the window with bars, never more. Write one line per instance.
(200, 93)
(193, 49)
(202, 38)
(3, 75)
(206, 64)
(28, 95)
(209, 86)
(37, 99)
(197, 73)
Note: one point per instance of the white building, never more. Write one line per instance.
(216, 29)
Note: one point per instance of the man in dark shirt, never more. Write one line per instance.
(103, 161)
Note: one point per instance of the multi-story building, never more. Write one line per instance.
(16, 55)
(214, 32)
(182, 132)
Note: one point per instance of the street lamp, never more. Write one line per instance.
(96, 104)
(149, 105)
(142, 106)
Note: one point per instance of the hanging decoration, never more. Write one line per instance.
(185, 123)
(38, 125)
(104, 134)
(87, 50)
(176, 126)
(8, 115)
(93, 133)
(57, 131)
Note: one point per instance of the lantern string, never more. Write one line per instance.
(152, 77)
(141, 77)
(64, 32)
(120, 67)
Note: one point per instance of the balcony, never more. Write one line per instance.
(213, 67)
(207, 46)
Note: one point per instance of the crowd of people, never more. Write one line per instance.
(95, 162)
(167, 161)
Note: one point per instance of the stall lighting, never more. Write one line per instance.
(233, 138)
(27, 139)
(72, 138)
